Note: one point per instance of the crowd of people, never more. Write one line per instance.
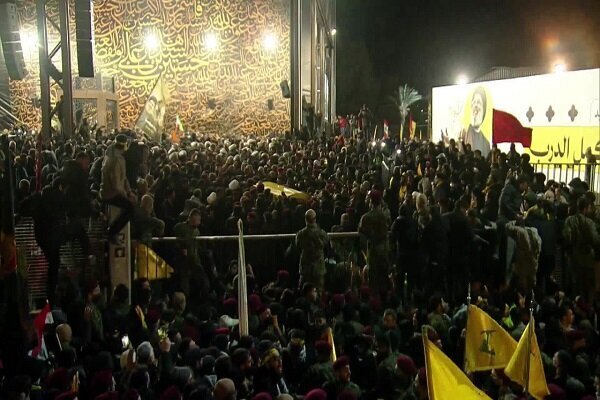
(446, 223)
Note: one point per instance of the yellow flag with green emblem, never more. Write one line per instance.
(487, 345)
(445, 381)
(528, 373)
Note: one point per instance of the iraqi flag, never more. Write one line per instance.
(506, 128)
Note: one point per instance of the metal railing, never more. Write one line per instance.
(266, 253)
(71, 257)
(564, 173)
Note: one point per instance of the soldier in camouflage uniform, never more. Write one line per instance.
(374, 225)
(321, 371)
(311, 242)
(581, 237)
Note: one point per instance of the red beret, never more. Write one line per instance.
(375, 196)
(254, 303)
(338, 299)
(406, 365)
(231, 301)
(556, 392)
(58, 380)
(352, 298)
(262, 396)
(340, 363)
(316, 394)
(101, 382)
(282, 273)
(376, 304)
(66, 396)
(108, 396)
(222, 331)
(172, 393)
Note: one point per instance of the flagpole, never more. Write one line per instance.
(529, 335)
(242, 284)
(427, 362)
(466, 325)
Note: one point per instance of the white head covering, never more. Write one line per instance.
(212, 198)
(234, 185)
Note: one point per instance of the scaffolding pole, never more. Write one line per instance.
(48, 70)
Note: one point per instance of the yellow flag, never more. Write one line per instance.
(517, 368)
(332, 343)
(150, 265)
(412, 129)
(487, 345)
(445, 381)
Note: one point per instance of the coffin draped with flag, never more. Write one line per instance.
(150, 265)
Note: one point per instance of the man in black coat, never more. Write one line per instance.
(460, 238)
(76, 186)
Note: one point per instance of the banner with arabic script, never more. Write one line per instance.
(561, 108)
(210, 53)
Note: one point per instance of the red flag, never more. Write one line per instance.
(40, 324)
(506, 128)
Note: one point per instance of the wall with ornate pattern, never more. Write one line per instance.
(219, 91)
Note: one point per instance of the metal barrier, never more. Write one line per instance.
(566, 172)
(71, 256)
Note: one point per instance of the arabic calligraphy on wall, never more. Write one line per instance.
(223, 90)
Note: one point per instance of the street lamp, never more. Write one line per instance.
(462, 79)
(559, 67)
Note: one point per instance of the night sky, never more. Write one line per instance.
(428, 43)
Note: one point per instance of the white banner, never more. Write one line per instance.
(560, 101)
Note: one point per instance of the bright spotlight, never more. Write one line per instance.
(559, 67)
(382, 145)
(373, 143)
(270, 41)
(151, 41)
(333, 32)
(462, 79)
(398, 151)
(29, 41)
(211, 41)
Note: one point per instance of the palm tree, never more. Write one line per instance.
(403, 99)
